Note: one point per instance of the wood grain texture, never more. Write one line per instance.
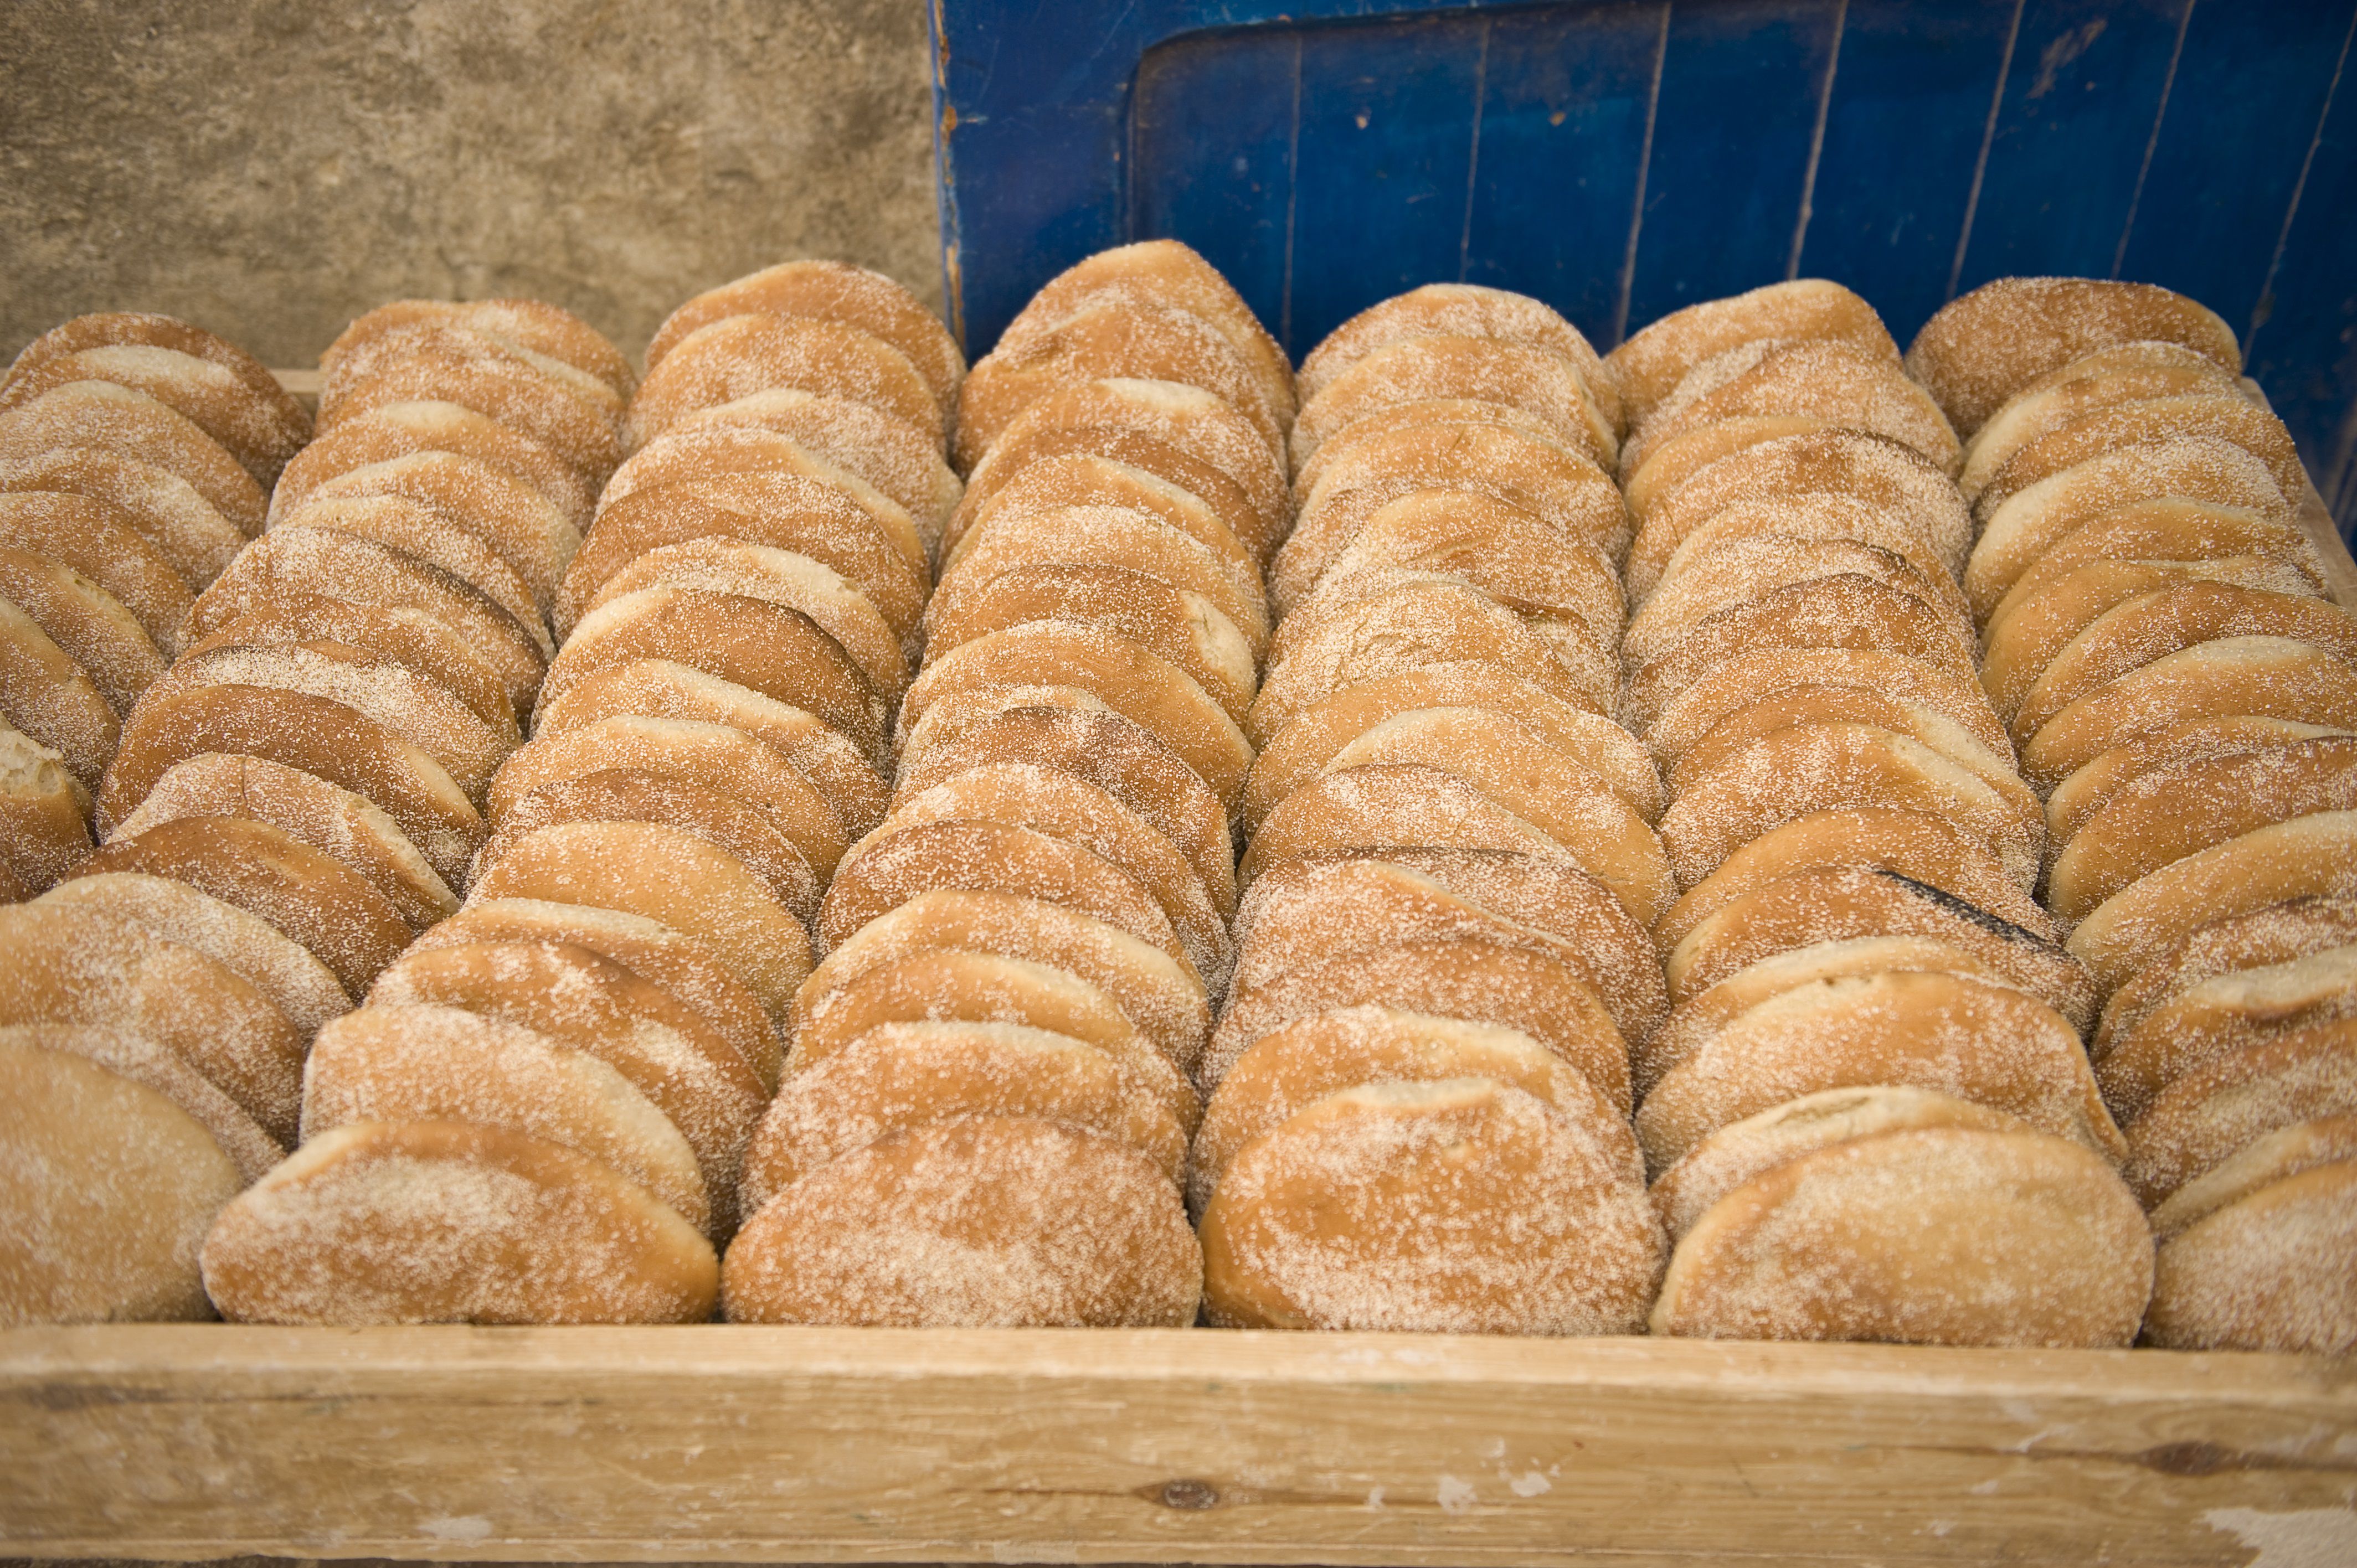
(830, 1445)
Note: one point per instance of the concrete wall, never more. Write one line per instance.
(270, 168)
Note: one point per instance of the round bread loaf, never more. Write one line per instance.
(2215, 1112)
(1150, 342)
(1674, 461)
(691, 752)
(2026, 634)
(2209, 1021)
(740, 827)
(187, 531)
(1649, 364)
(2259, 1275)
(535, 324)
(294, 560)
(445, 1222)
(1341, 1217)
(85, 622)
(1113, 535)
(665, 689)
(2236, 543)
(1560, 488)
(657, 953)
(781, 511)
(1426, 414)
(572, 996)
(779, 653)
(572, 414)
(1381, 806)
(332, 911)
(2181, 810)
(1931, 1235)
(44, 826)
(77, 966)
(126, 1053)
(1159, 273)
(1747, 570)
(2260, 677)
(1805, 768)
(1092, 743)
(1084, 478)
(1196, 422)
(1803, 707)
(1081, 460)
(2310, 855)
(1537, 382)
(912, 1074)
(1323, 909)
(118, 419)
(896, 460)
(2287, 1151)
(427, 1063)
(2124, 373)
(711, 453)
(1749, 679)
(2087, 791)
(1699, 1018)
(108, 1187)
(2017, 533)
(1494, 546)
(1462, 310)
(393, 633)
(1987, 1043)
(399, 429)
(1162, 1000)
(1742, 1152)
(1511, 986)
(2277, 933)
(100, 541)
(1821, 516)
(258, 953)
(706, 893)
(829, 290)
(1129, 680)
(1328, 1053)
(1837, 903)
(304, 733)
(48, 700)
(1983, 346)
(1320, 731)
(1925, 847)
(950, 985)
(1835, 382)
(519, 524)
(336, 823)
(1052, 802)
(2153, 626)
(2225, 413)
(104, 328)
(251, 423)
(977, 1222)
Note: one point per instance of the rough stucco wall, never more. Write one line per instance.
(270, 168)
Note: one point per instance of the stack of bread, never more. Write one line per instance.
(353, 689)
(152, 1020)
(1419, 1087)
(2156, 642)
(1869, 1114)
(986, 1108)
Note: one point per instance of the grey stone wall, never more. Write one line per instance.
(270, 168)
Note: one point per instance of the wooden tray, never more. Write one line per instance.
(738, 1444)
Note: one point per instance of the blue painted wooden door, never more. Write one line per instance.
(1621, 159)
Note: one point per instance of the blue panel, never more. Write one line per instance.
(1904, 130)
(1732, 132)
(1211, 154)
(2250, 87)
(2086, 89)
(1386, 146)
(2304, 350)
(1563, 130)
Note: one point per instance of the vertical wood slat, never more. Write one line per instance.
(2085, 91)
(1731, 137)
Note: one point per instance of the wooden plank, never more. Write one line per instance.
(837, 1444)
(1733, 134)
(2066, 162)
(1904, 129)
